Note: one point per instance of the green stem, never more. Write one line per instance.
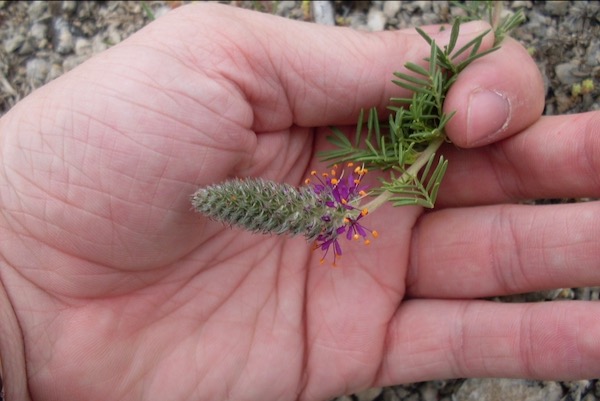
(411, 172)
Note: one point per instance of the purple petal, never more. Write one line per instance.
(337, 247)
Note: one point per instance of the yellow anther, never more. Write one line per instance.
(344, 201)
(307, 181)
(334, 181)
(313, 173)
(350, 164)
(362, 193)
(360, 170)
(325, 175)
(375, 234)
(364, 212)
(355, 237)
(367, 242)
(346, 220)
(333, 171)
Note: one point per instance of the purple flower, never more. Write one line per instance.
(341, 196)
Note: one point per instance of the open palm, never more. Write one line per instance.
(123, 293)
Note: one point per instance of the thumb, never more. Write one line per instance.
(295, 72)
(496, 96)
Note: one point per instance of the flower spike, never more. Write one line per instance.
(322, 210)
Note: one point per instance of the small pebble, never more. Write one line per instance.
(565, 73)
(63, 39)
(391, 8)
(37, 70)
(376, 20)
(12, 43)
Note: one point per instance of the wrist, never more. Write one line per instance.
(12, 352)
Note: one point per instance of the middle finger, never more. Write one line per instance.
(505, 249)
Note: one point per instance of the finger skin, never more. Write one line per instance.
(508, 72)
(302, 73)
(96, 191)
(499, 250)
(180, 104)
(557, 157)
(434, 339)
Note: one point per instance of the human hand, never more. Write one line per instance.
(120, 291)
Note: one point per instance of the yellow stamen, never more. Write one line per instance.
(362, 193)
(350, 164)
(355, 236)
(364, 212)
(325, 175)
(367, 242)
(313, 173)
(360, 170)
(334, 181)
(375, 234)
(307, 181)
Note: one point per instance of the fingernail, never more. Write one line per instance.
(488, 114)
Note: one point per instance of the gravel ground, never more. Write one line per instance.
(41, 40)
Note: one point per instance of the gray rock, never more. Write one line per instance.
(508, 389)
(424, 6)
(73, 61)
(37, 9)
(429, 393)
(160, 11)
(376, 20)
(323, 12)
(38, 33)
(12, 43)
(566, 73)
(515, 5)
(62, 39)
(557, 7)
(69, 6)
(83, 47)
(56, 71)
(368, 394)
(113, 35)
(285, 7)
(36, 71)
(593, 53)
(391, 8)
(99, 44)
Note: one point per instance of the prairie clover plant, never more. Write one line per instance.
(324, 209)
(331, 206)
